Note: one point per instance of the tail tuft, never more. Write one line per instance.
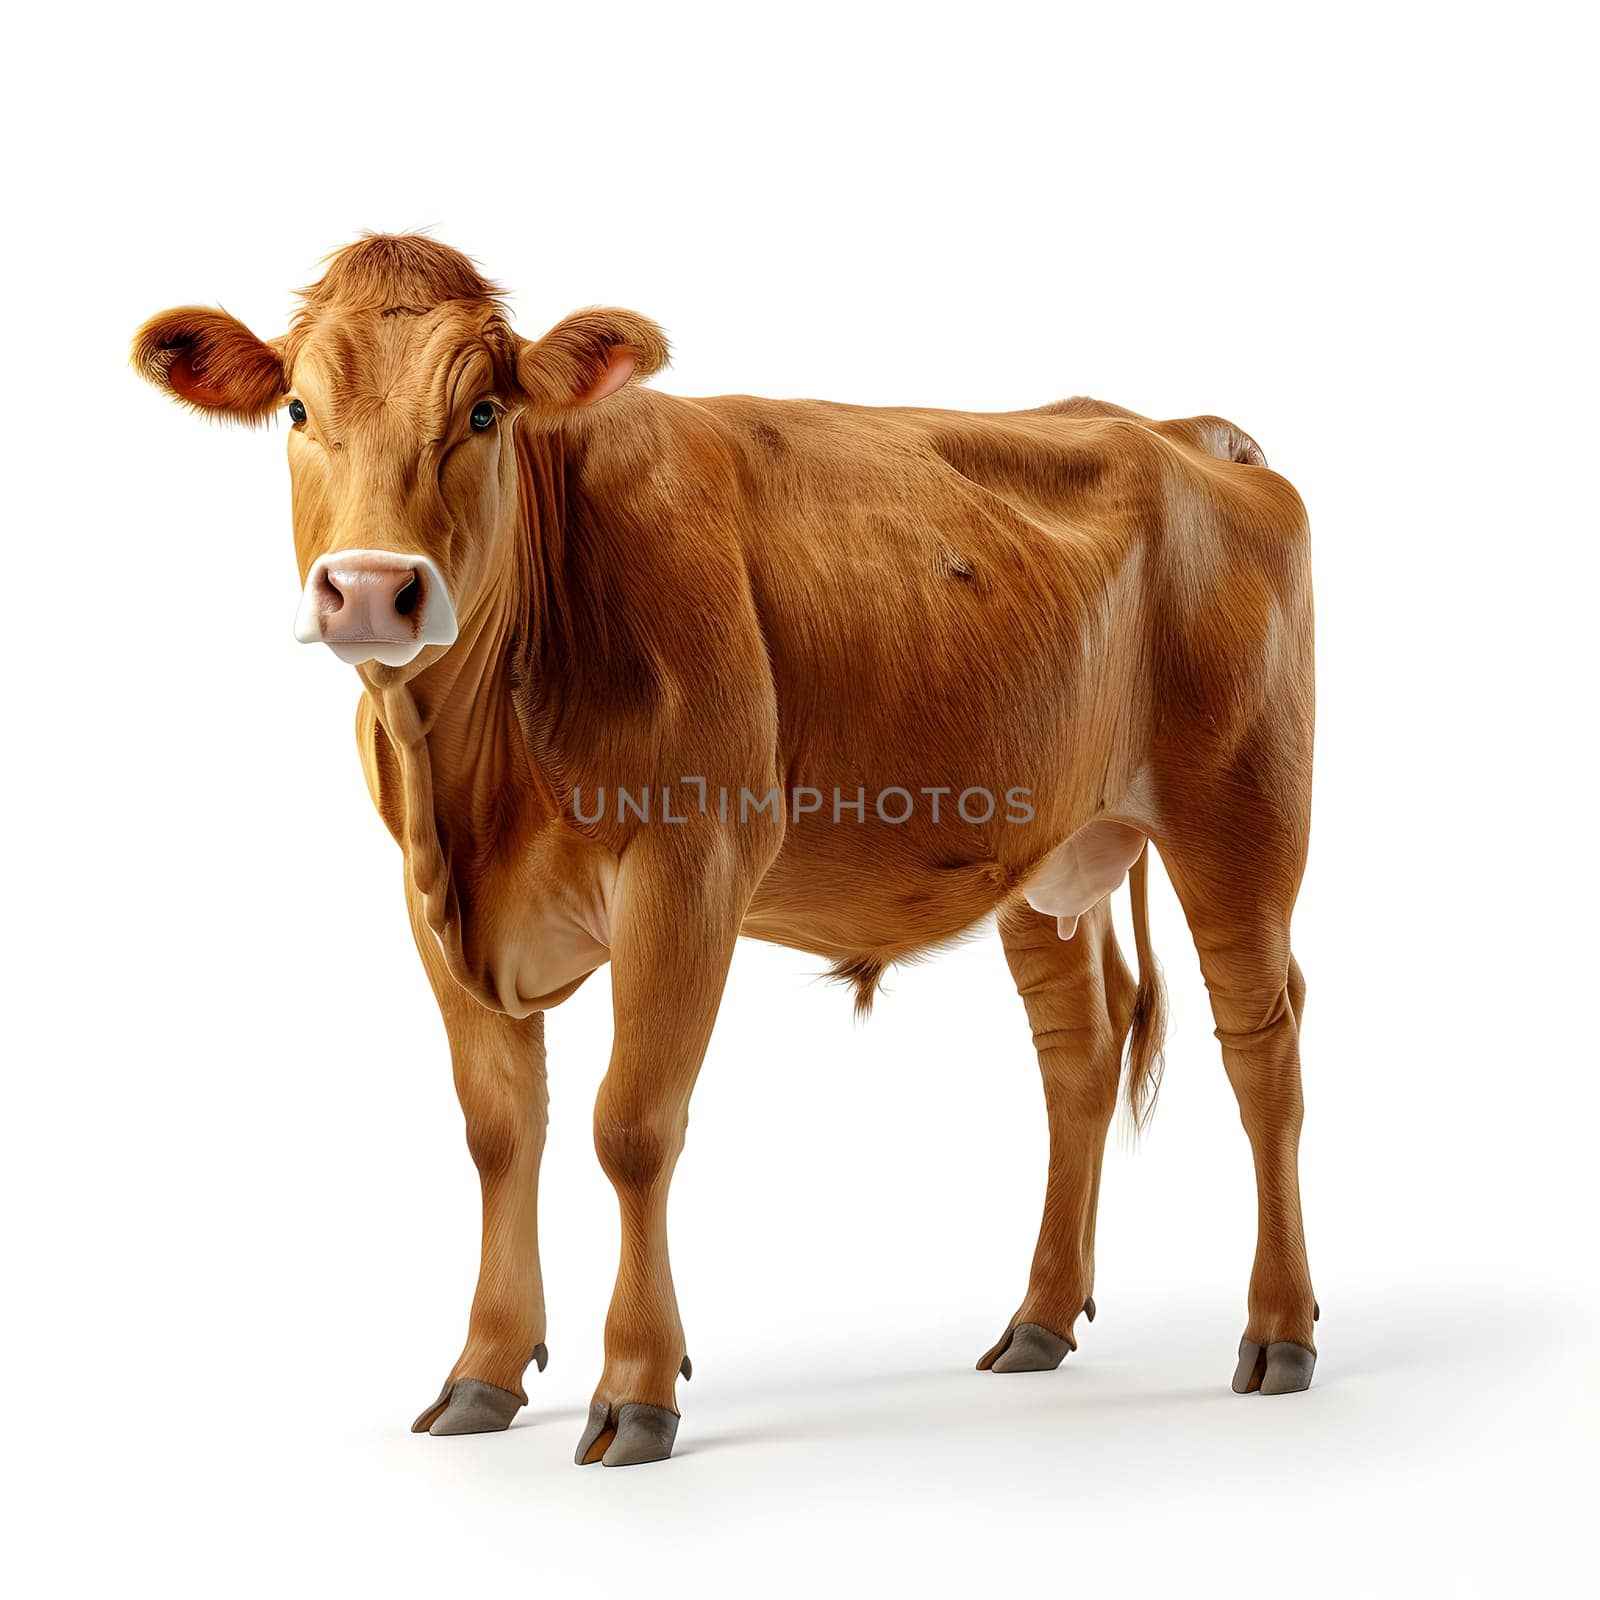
(1148, 1034)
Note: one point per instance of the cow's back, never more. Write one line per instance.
(982, 576)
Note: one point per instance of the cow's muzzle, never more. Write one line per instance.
(375, 605)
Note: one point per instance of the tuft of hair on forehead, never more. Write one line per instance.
(400, 272)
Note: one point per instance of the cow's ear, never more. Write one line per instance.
(589, 356)
(212, 362)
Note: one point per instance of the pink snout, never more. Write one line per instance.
(375, 605)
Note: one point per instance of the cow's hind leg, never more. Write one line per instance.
(1080, 996)
(499, 1067)
(1235, 856)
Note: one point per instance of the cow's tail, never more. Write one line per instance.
(1148, 1034)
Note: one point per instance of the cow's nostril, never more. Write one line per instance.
(375, 605)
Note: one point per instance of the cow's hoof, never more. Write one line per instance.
(1283, 1368)
(1031, 1347)
(469, 1406)
(637, 1434)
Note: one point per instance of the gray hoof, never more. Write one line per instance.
(1282, 1368)
(1289, 1368)
(644, 1433)
(469, 1406)
(1031, 1349)
(640, 1433)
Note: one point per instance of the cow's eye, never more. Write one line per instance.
(482, 416)
(297, 411)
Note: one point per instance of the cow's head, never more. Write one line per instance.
(402, 383)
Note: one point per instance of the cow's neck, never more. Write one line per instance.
(463, 753)
(460, 712)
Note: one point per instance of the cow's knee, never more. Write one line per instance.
(493, 1134)
(502, 1101)
(635, 1146)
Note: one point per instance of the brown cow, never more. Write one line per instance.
(642, 674)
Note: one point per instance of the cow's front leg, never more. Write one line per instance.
(674, 923)
(499, 1068)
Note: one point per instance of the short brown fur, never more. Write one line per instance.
(1111, 613)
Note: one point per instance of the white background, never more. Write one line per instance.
(241, 1221)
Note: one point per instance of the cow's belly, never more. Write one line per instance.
(862, 909)
(541, 932)
(845, 909)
